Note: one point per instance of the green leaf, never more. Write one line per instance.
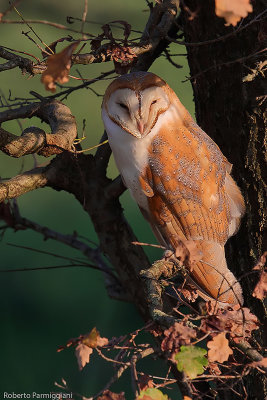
(152, 394)
(191, 360)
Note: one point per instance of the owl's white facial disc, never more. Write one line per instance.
(137, 112)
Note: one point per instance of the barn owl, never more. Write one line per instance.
(177, 175)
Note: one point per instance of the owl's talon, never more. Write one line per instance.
(162, 318)
(168, 254)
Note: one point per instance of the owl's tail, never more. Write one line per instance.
(212, 276)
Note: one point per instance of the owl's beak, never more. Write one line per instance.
(140, 126)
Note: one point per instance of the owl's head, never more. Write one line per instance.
(135, 101)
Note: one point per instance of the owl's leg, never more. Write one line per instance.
(154, 279)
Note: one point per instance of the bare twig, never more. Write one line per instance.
(9, 9)
(237, 60)
(44, 22)
(145, 353)
(258, 18)
(84, 18)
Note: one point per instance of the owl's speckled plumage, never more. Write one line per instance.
(177, 174)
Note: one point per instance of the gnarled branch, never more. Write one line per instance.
(35, 140)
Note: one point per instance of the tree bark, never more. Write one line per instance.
(228, 84)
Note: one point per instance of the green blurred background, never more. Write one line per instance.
(41, 310)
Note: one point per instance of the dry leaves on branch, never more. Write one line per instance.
(86, 346)
(260, 290)
(177, 335)
(51, 49)
(108, 395)
(189, 292)
(122, 55)
(58, 67)
(214, 368)
(232, 10)
(93, 339)
(239, 322)
(145, 382)
(219, 349)
(82, 353)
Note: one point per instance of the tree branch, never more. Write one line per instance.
(23, 63)
(35, 140)
(160, 24)
(23, 183)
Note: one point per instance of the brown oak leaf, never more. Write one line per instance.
(93, 339)
(214, 369)
(219, 349)
(189, 292)
(82, 353)
(145, 382)
(108, 395)
(122, 56)
(58, 66)
(52, 47)
(260, 290)
(239, 322)
(126, 28)
(232, 10)
(177, 335)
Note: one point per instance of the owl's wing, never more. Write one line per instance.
(192, 197)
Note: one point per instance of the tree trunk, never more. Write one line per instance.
(228, 83)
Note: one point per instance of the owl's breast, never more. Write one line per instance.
(131, 157)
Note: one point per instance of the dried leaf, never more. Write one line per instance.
(108, 32)
(108, 395)
(239, 322)
(189, 292)
(152, 394)
(127, 28)
(58, 66)
(145, 382)
(219, 349)
(260, 290)
(191, 360)
(262, 262)
(83, 353)
(177, 335)
(96, 42)
(122, 56)
(53, 45)
(232, 10)
(214, 369)
(93, 339)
